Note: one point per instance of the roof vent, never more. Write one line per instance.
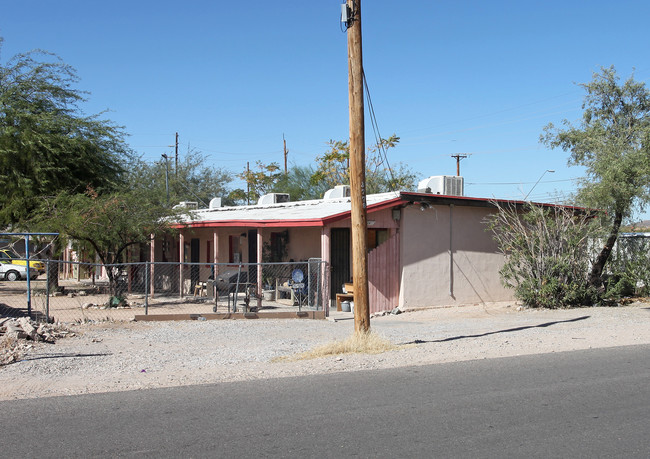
(339, 191)
(215, 203)
(192, 205)
(273, 198)
(448, 185)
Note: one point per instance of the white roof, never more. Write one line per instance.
(316, 209)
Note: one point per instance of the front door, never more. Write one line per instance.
(340, 260)
(195, 248)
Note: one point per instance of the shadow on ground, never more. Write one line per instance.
(509, 330)
(62, 356)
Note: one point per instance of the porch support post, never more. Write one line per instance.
(325, 267)
(215, 250)
(259, 266)
(152, 259)
(181, 254)
(215, 260)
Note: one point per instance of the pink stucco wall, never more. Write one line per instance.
(441, 263)
(304, 243)
(431, 276)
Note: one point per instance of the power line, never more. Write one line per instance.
(522, 183)
(375, 129)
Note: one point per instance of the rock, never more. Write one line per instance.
(396, 311)
(83, 293)
(15, 334)
(28, 328)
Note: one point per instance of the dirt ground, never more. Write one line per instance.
(115, 356)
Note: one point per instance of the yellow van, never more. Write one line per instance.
(7, 257)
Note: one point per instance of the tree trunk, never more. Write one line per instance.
(596, 275)
(53, 266)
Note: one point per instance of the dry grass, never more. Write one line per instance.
(358, 343)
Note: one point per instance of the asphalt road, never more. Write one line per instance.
(587, 404)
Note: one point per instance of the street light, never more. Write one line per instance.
(540, 178)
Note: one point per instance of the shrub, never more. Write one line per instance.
(547, 254)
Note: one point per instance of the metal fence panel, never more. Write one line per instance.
(80, 292)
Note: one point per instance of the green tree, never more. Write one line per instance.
(299, 184)
(109, 223)
(47, 144)
(261, 180)
(194, 181)
(612, 142)
(334, 168)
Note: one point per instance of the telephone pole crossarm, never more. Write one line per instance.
(458, 157)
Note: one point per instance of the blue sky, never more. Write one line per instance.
(231, 78)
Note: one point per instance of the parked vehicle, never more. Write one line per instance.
(12, 272)
(8, 256)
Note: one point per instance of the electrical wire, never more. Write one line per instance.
(378, 138)
(522, 183)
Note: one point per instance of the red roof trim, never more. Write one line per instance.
(371, 208)
(433, 197)
(404, 198)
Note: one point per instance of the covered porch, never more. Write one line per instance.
(259, 240)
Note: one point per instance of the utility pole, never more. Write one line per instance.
(286, 152)
(359, 216)
(248, 184)
(166, 175)
(176, 165)
(458, 157)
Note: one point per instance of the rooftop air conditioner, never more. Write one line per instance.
(273, 198)
(448, 185)
(193, 205)
(339, 191)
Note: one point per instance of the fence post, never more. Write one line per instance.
(326, 287)
(213, 287)
(146, 288)
(47, 292)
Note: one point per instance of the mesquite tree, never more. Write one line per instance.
(613, 143)
(47, 143)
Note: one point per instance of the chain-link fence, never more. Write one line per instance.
(78, 292)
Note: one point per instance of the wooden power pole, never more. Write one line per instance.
(286, 152)
(458, 157)
(357, 169)
(248, 183)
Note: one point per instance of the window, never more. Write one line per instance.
(279, 246)
(377, 237)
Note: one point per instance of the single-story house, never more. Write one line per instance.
(425, 249)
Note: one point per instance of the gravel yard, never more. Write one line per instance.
(115, 356)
